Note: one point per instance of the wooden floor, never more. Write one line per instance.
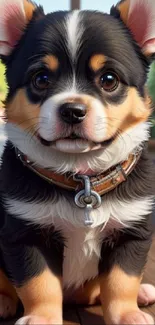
(93, 315)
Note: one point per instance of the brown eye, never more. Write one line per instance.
(41, 80)
(109, 81)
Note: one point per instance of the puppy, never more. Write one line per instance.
(75, 178)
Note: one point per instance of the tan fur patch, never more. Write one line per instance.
(119, 292)
(29, 9)
(23, 113)
(42, 295)
(87, 294)
(97, 62)
(122, 117)
(6, 287)
(52, 62)
(132, 111)
(124, 9)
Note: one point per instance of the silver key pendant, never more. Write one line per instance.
(87, 199)
(88, 220)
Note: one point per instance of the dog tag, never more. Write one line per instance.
(88, 219)
(87, 199)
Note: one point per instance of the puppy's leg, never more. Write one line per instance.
(8, 297)
(121, 270)
(42, 299)
(89, 294)
(119, 293)
(34, 264)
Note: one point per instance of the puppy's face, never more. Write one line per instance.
(76, 89)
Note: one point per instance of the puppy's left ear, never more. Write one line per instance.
(14, 16)
(139, 17)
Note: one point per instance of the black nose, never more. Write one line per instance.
(73, 113)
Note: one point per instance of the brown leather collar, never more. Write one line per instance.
(101, 184)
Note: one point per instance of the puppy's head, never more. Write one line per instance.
(77, 99)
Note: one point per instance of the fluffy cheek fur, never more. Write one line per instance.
(23, 114)
(129, 114)
(126, 120)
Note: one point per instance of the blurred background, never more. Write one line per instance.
(101, 5)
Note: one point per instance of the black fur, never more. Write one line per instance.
(127, 249)
(45, 35)
(26, 249)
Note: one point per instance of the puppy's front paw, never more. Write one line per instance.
(146, 295)
(8, 306)
(136, 317)
(32, 320)
(37, 320)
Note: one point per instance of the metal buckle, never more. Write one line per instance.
(87, 199)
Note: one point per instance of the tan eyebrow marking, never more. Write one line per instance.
(97, 62)
(51, 61)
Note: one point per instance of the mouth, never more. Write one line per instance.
(75, 144)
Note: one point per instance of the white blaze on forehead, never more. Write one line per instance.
(74, 32)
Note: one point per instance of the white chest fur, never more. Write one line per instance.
(81, 256)
(83, 245)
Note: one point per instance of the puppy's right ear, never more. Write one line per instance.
(14, 16)
(139, 17)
